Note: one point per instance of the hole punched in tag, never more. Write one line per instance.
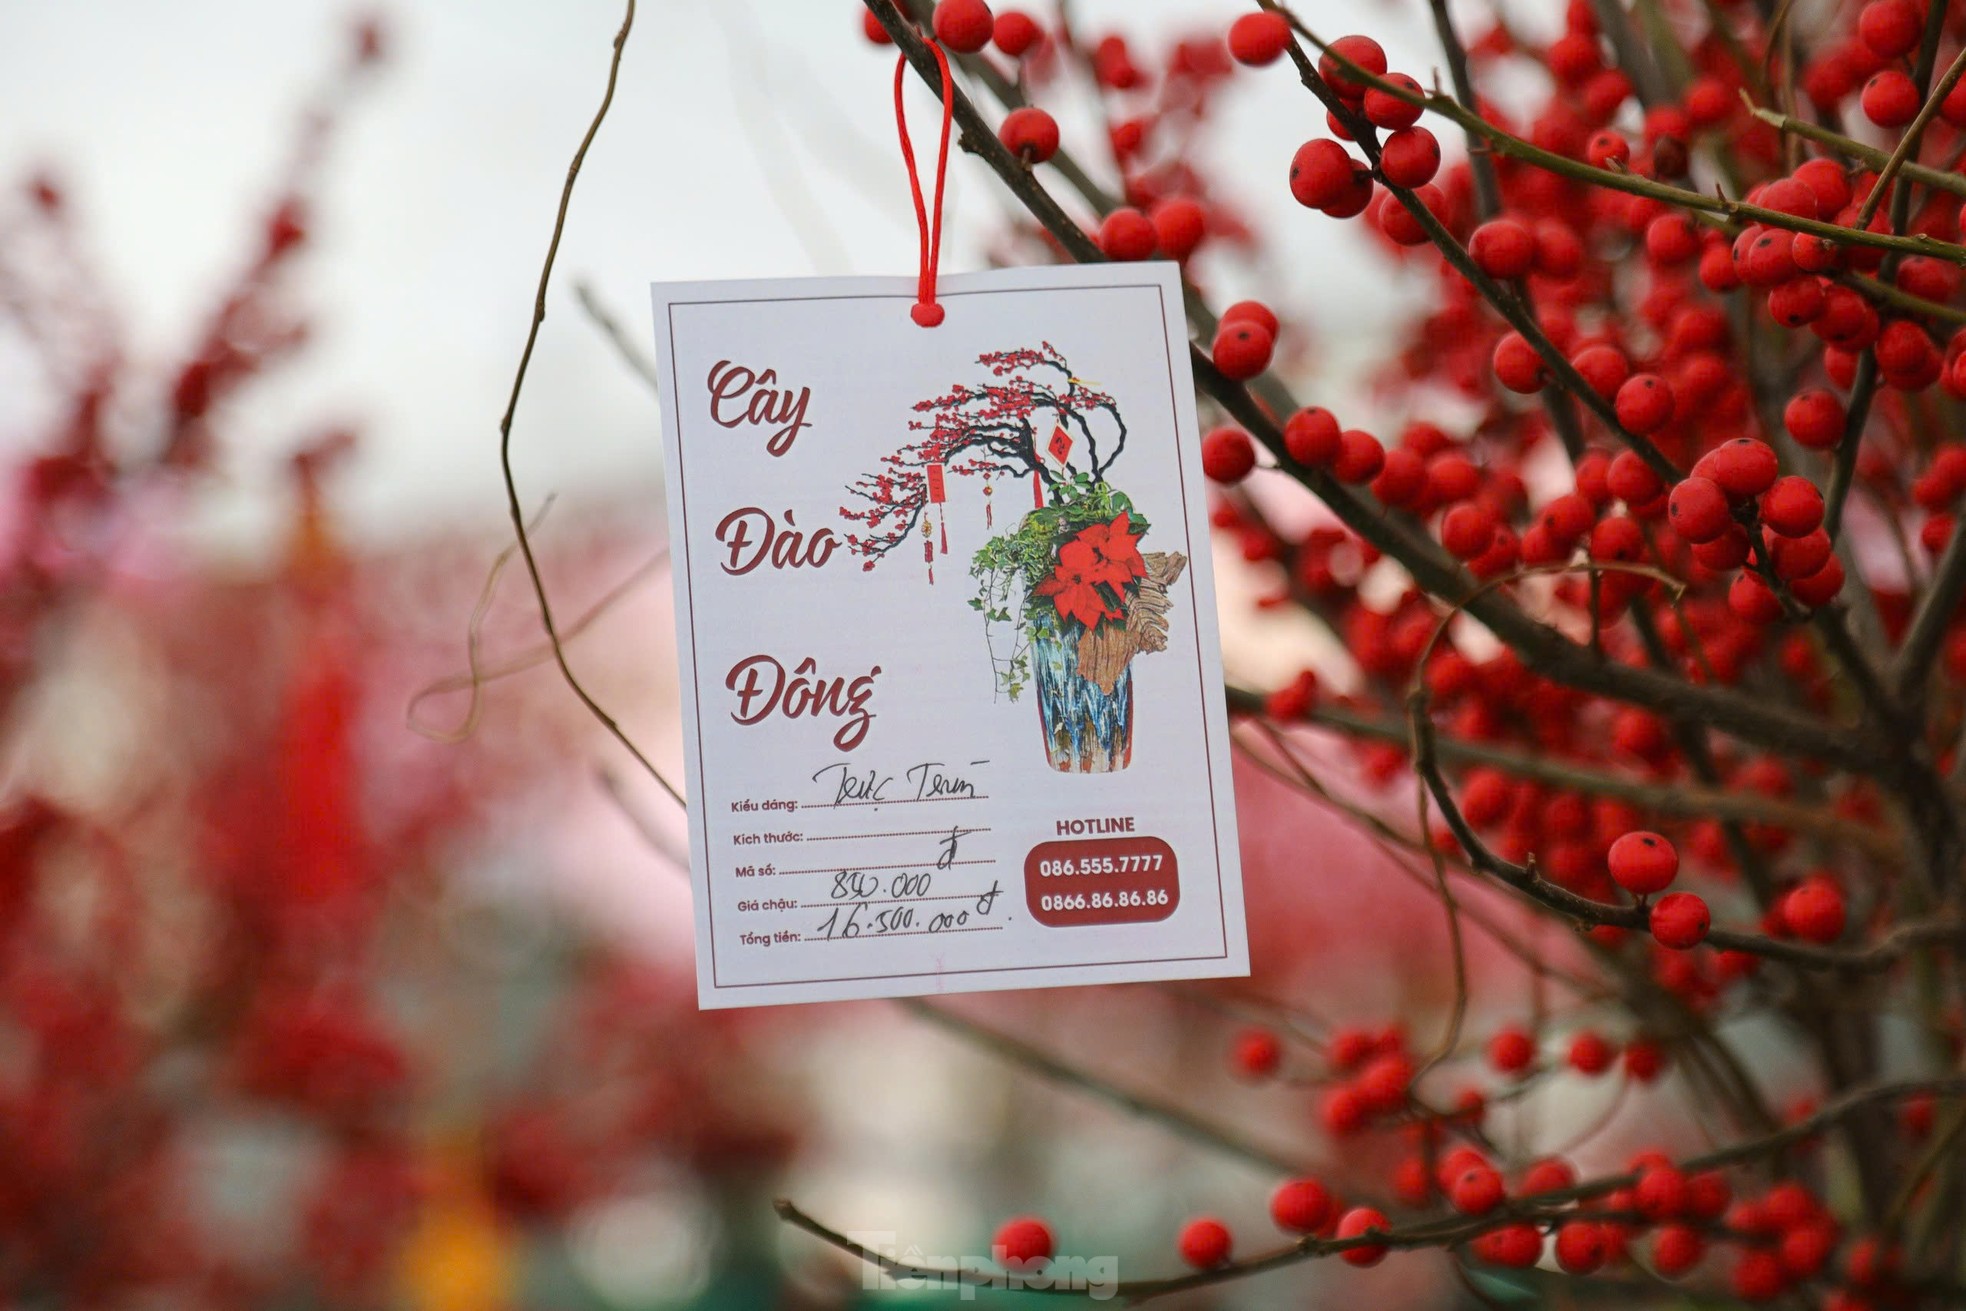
(925, 310)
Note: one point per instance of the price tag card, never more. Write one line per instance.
(951, 683)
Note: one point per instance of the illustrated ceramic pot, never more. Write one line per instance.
(1086, 730)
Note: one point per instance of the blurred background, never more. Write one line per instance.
(329, 980)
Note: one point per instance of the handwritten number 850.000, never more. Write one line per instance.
(1102, 900)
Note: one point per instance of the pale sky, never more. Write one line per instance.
(749, 138)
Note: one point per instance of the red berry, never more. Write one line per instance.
(1797, 302)
(1568, 517)
(1707, 1195)
(1302, 1206)
(1799, 557)
(1259, 38)
(1632, 481)
(1559, 250)
(1790, 196)
(1549, 1175)
(1477, 1191)
(1645, 1060)
(1249, 311)
(1468, 530)
(1015, 32)
(1294, 700)
(1814, 910)
(1758, 1276)
(1890, 27)
(1680, 920)
(1029, 133)
(1660, 1193)
(1792, 507)
(1511, 1051)
(1698, 510)
(871, 28)
(1644, 403)
(1343, 1112)
(1821, 587)
(1517, 1246)
(1257, 1054)
(1311, 436)
(1503, 248)
(1385, 1080)
(1242, 349)
(1743, 467)
(1179, 226)
(1402, 480)
(1642, 863)
(1455, 1162)
(1357, 197)
(1357, 1223)
(1807, 1248)
(1750, 597)
(1604, 369)
(1204, 1243)
(1874, 1261)
(1814, 254)
(964, 26)
(1227, 455)
(1518, 365)
(1360, 50)
(1386, 110)
(1590, 1053)
(1607, 149)
(1717, 270)
(1764, 257)
(1402, 225)
(1024, 1243)
(1580, 1246)
(1676, 1249)
(1360, 457)
(1321, 173)
(1708, 102)
(1127, 234)
(1891, 98)
(1825, 177)
(1671, 239)
(1409, 157)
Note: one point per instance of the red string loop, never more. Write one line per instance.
(925, 311)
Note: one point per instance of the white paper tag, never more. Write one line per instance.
(873, 812)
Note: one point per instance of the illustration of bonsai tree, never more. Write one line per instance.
(1068, 580)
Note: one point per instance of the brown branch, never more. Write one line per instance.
(1432, 1232)
(1869, 156)
(513, 502)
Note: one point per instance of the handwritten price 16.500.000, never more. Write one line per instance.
(852, 921)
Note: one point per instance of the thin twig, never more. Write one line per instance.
(1182, 1122)
(512, 406)
(631, 354)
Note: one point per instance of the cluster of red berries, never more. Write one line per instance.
(1724, 385)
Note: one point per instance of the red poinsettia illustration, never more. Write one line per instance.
(1117, 548)
(1093, 570)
